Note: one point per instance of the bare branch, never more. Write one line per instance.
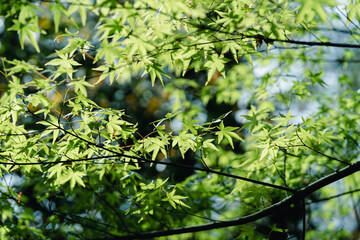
(141, 159)
(321, 153)
(332, 197)
(298, 196)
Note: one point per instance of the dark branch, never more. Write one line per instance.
(140, 159)
(298, 196)
(332, 197)
(321, 153)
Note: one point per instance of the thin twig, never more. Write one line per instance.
(321, 153)
(334, 196)
(119, 154)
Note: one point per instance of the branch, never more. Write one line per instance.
(325, 44)
(94, 226)
(266, 40)
(318, 152)
(155, 162)
(298, 196)
(334, 196)
(143, 159)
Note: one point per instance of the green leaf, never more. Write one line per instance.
(155, 145)
(82, 12)
(65, 64)
(27, 30)
(76, 178)
(213, 64)
(208, 144)
(185, 142)
(155, 71)
(58, 10)
(80, 86)
(307, 8)
(227, 133)
(283, 121)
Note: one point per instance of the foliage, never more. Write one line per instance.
(135, 119)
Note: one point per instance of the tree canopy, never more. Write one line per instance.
(187, 119)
